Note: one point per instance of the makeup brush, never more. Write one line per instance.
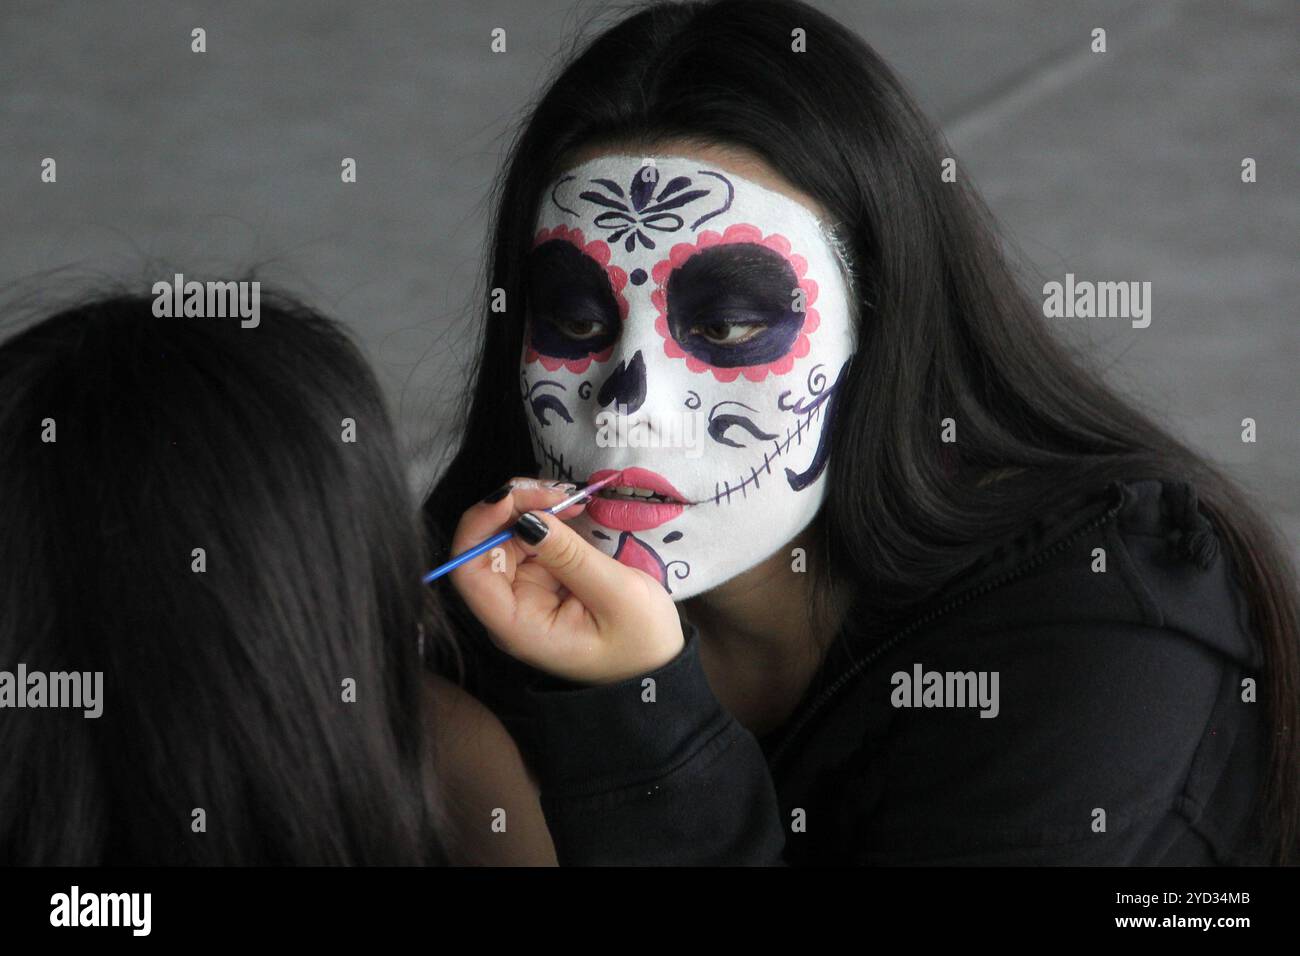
(583, 493)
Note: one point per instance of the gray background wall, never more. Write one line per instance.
(1115, 166)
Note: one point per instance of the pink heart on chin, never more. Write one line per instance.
(635, 553)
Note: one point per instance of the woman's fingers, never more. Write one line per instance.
(591, 576)
(548, 626)
(553, 600)
(503, 507)
(614, 623)
(487, 582)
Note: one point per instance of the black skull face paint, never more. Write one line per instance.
(684, 300)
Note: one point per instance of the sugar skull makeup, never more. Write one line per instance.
(691, 327)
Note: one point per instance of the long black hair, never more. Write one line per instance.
(945, 328)
(127, 442)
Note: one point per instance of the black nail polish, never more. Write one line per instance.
(498, 494)
(531, 528)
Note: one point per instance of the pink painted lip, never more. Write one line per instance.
(636, 515)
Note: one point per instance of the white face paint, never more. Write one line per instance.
(691, 326)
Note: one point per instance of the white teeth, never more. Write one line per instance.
(636, 494)
(625, 491)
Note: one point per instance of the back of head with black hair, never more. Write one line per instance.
(223, 688)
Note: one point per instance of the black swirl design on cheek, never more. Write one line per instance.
(718, 425)
(816, 385)
(681, 573)
(544, 403)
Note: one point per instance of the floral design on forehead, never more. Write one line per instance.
(661, 288)
(639, 210)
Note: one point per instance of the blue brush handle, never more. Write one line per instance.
(583, 494)
(470, 555)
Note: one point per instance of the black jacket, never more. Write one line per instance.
(1120, 737)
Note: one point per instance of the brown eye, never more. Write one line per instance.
(580, 328)
(725, 333)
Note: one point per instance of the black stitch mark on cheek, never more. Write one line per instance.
(595, 533)
(797, 480)
(672, 536)
(550, 458)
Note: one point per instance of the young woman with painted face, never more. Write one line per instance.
(733, 272)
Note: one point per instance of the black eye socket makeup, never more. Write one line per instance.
(733, 305)
(571, 308)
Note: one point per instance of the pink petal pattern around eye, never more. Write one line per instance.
(739, 232)
(599, 250)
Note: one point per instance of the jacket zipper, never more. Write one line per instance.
(946, 608)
